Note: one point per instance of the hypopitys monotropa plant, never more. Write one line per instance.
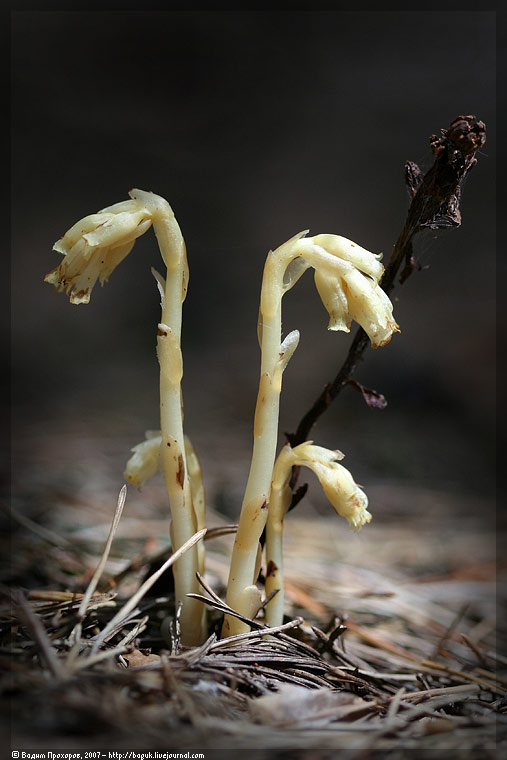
(347, 498)
(347, 279)
(92, 249)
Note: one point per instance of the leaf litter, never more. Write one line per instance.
(373, 657)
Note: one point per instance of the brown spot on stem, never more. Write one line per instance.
(271, 569)
(180, 475)
(162, 333)
(264, 504)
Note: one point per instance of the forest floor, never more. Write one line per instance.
(397, 640)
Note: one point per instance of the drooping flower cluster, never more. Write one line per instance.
(94, 246)
(346, 497)
(347, 280)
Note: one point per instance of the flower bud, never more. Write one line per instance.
(144, 462)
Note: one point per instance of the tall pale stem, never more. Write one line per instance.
(254, 510)
(172, 453)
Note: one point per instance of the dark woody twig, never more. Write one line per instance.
(435, 203)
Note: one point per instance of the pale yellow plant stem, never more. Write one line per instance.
(335, 259)
(198, 496)
(279, 502)
(254, 510)
(173, 458)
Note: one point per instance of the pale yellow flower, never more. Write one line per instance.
(347, 498)
(94, 246)
(347, 279)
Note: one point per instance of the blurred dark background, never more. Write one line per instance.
(254, 125)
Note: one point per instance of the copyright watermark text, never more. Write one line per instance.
(127, 754)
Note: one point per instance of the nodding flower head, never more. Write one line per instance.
(347, 280)
(347, 498)
(94, 246)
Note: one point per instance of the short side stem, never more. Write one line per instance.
(279, 502)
